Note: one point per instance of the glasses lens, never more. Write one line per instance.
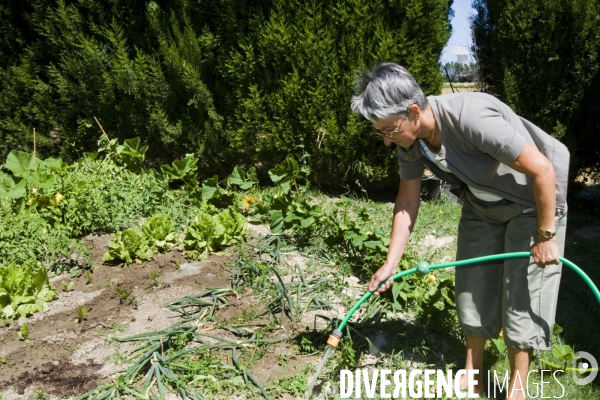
(386, 134)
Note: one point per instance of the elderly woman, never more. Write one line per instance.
(514, 180)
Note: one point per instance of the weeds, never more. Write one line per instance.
(292, 385)
(125, 296)
(40, 395)
(67, 286)
(88, 277)
(154, 282)
(24, 332)
(81, 314)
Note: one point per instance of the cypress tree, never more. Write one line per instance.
(541, 57)
(235, 82)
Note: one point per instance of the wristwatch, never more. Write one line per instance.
(546, 234)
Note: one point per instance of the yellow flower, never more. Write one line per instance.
(58, 198)
(441, 212)
(248, 201)
(501, 334)
(431, 278)
(34, 191)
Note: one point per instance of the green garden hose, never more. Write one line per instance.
(424, 268)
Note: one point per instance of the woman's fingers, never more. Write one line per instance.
(545, 253)
(376, 281)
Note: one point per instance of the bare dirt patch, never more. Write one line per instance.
(435, 242)
(65, 358)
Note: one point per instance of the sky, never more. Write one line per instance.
(460, 41)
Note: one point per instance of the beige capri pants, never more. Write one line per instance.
(515, 295)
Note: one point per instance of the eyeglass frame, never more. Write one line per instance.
(393, 134)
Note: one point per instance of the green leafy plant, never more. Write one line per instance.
(30, 168)
(40, 395)
(35, 181)
(185, 170)
(81, 314)
(241, 179)
(157, 230)
(129, 154)
(286, 173)
(67, 287)
(125, 295)
(345, 230)
(12, 187)
(437, 302)
(128, 246)
(290, 385)
(89, 278)
(290, 211)
(214, 194)
(24, 290)
(153, 280)
(24, 332)
(561, 351)
(499, 344)
(208, 233)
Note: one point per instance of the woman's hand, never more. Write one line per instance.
(544, 251)
(382, 274)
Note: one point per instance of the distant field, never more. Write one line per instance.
(459, 87)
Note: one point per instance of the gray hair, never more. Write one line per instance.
(387, 90)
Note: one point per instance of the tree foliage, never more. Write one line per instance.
(541, 57)
(460, 72)
(233, 82)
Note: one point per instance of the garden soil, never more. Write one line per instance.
(64, 358)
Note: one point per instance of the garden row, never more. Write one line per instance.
(47, 206)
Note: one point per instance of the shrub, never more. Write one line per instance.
(542, 58)
(233, 82)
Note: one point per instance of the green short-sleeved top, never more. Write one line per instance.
(480, 136)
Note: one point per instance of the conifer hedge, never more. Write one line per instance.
(237, 82)
(541, 57)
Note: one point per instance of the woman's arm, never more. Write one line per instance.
(534, 164)
(406, 209)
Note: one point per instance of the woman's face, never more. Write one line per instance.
(400, 130)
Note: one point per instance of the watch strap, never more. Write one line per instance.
(546, 234)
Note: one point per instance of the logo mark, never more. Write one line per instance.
(583, 366)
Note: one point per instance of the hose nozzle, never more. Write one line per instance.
(334, 338)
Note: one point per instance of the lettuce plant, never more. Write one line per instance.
(128, 246)
(158, 232)
(24, 290)
(208, 233)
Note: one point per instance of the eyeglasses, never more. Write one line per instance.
(390, 133)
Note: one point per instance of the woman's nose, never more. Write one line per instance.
(386, 140)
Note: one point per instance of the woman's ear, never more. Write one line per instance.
(415, 111)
